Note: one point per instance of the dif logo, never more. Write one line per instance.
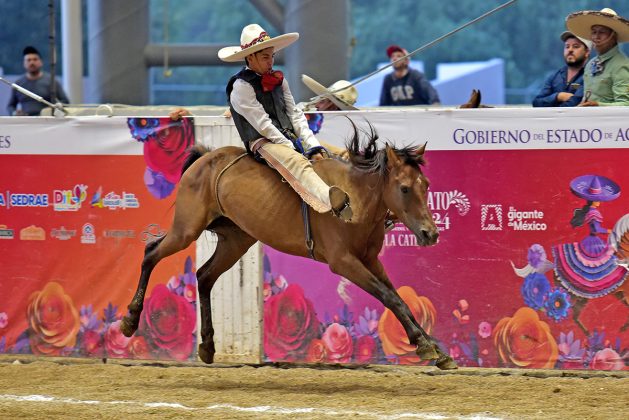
(69, 200)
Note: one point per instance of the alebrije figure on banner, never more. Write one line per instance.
(590, 268)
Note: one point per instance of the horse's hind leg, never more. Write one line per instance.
(191, 218)
(232, 244)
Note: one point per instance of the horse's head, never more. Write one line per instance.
(406, 192)
(405, 187)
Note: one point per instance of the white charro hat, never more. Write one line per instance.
(253, 39)
(567, 34)
(580, 23)
(341, 93)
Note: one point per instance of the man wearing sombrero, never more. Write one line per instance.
(606, 77)
(269, 124)
(340, 96)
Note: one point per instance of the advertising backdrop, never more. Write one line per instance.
(491, 291)
(79, 199)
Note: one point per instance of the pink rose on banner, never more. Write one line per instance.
(338, 343)
(607, 359)
(167, 322)
(365, 349)
(484, 329)
(4, 320)
(166, 144)
(138, 347)
(115, 342)
(290, 323)
(316, 351)
(93, 343)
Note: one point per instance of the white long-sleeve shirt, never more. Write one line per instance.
(243, 100)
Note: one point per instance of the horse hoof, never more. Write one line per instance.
(446, 363)
(205, 355)
(128, 327)
(426, 351)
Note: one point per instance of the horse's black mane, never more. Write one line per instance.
(367, 157)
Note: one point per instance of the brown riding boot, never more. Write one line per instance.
(339, 201)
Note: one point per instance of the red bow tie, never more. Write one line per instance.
(272, 79)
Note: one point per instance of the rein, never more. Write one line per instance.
(220, 174)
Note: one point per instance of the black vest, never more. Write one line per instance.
(272, 102)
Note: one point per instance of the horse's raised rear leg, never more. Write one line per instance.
(192, 215)
(232, 244)
(354, 270)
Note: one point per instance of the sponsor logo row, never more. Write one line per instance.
(86, 235)
(71, 199)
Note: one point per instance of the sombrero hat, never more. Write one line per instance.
(595, 188)
(253, 39)
(342, 93)
(580, 23)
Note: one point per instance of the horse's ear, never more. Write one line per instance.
(421, 150)
(392, 158)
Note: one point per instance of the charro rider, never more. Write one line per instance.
(269, 124)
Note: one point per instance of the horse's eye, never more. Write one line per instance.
(404, 189)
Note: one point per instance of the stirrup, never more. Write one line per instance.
(339, 201)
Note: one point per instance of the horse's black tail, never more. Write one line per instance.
(194, 153)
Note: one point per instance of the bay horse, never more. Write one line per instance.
(243, 201)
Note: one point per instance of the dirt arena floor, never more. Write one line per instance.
(80, 389)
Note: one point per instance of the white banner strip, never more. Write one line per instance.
(67, 136)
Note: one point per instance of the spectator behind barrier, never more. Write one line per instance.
(565, 86)
(405, 85)
(606, 77)
(36, 81)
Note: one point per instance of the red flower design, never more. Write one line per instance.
(167, 152)
(167, 322)
(93, 343)
(365, 349)
(290, 323)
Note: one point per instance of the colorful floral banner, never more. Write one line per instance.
(511, 283)
(74, 222)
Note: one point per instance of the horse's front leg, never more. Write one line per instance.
(444, 361)
(354, 270)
